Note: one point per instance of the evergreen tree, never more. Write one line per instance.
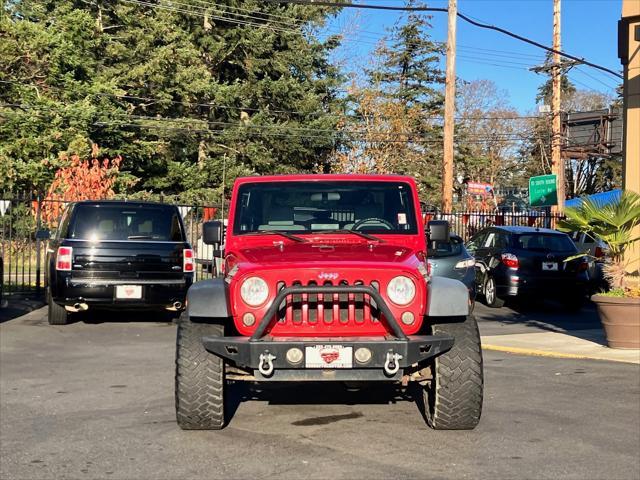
(408, 64)
(406, 83)
(177, 92)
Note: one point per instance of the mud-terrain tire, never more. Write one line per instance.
(56, 314)
(490, 294)
(453, 399)
(200, 379)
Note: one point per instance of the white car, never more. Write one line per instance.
(595, 250)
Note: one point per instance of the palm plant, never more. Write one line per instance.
(614, 224)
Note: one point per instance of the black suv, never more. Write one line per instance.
(528, 262)
(115, 254)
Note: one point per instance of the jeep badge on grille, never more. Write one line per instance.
(328, 275)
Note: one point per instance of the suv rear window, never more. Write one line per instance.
(126, 222)
(540, 242)
(446, 249)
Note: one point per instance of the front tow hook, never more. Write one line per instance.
(265, 365)
(392, 363)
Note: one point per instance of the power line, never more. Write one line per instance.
(336, 135)
(202, 11)
(248, 109)
(595, 78)
(574, 79)
(271, 130)
(198, 11)
(250, 13)
(466, 18)
(473, 60)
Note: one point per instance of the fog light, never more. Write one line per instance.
(363, 355)
(248, 319)
(294, 355)
(407, 318)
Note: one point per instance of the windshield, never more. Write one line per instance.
(126, 222)
(539, 242)
(369, 207)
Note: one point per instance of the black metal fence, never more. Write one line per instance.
(468, 223)
(23, 252)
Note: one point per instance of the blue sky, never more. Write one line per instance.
(589, 30)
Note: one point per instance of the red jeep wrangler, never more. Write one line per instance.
(325, 279)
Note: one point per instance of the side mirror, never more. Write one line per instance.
(43, 234)
(212, 232)
(438, 231)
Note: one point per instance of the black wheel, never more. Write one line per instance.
(200, 382)
(56, 314)
(490, 294)
(453, 398)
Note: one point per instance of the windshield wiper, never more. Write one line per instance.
(139, 237)
(355, 232)
(276, 232)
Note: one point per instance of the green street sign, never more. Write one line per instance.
(543, 191)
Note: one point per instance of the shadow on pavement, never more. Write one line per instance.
(123, 316)
(14, 306)
(326, 393)
(544, 316)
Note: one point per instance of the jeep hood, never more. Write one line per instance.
(313, 254)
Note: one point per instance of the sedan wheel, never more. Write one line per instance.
(490, 295)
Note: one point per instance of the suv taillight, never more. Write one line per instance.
(64, 259)
(187, 260)
(598, 253)
(510, 260)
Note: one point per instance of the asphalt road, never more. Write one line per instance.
(94, 400)
(545, 316)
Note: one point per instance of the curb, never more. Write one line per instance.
(552, 354)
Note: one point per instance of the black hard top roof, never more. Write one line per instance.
(128, 203)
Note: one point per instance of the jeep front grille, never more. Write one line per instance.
(329, 309)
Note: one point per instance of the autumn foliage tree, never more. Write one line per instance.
(79, 179)
(380, 138)
(392, 122)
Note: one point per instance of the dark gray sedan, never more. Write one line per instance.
(451, 260)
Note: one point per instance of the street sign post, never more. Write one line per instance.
(543, 191)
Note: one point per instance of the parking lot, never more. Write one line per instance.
(95, 400)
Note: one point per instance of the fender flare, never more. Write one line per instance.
(208, 299)
(447, 298)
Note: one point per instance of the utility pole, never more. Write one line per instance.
(557, 162)
(557, 68)
(449, 110)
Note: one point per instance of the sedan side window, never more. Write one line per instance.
(490, 241)
(501, 241)
(475, 242)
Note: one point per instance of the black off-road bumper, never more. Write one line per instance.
(246, 353)
(267, 356)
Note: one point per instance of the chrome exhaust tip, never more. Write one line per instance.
(175, 306)
(76, 307)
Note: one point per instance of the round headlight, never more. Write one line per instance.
(401, 290)
(254, 291)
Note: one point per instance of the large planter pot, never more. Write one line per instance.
(620, 317)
